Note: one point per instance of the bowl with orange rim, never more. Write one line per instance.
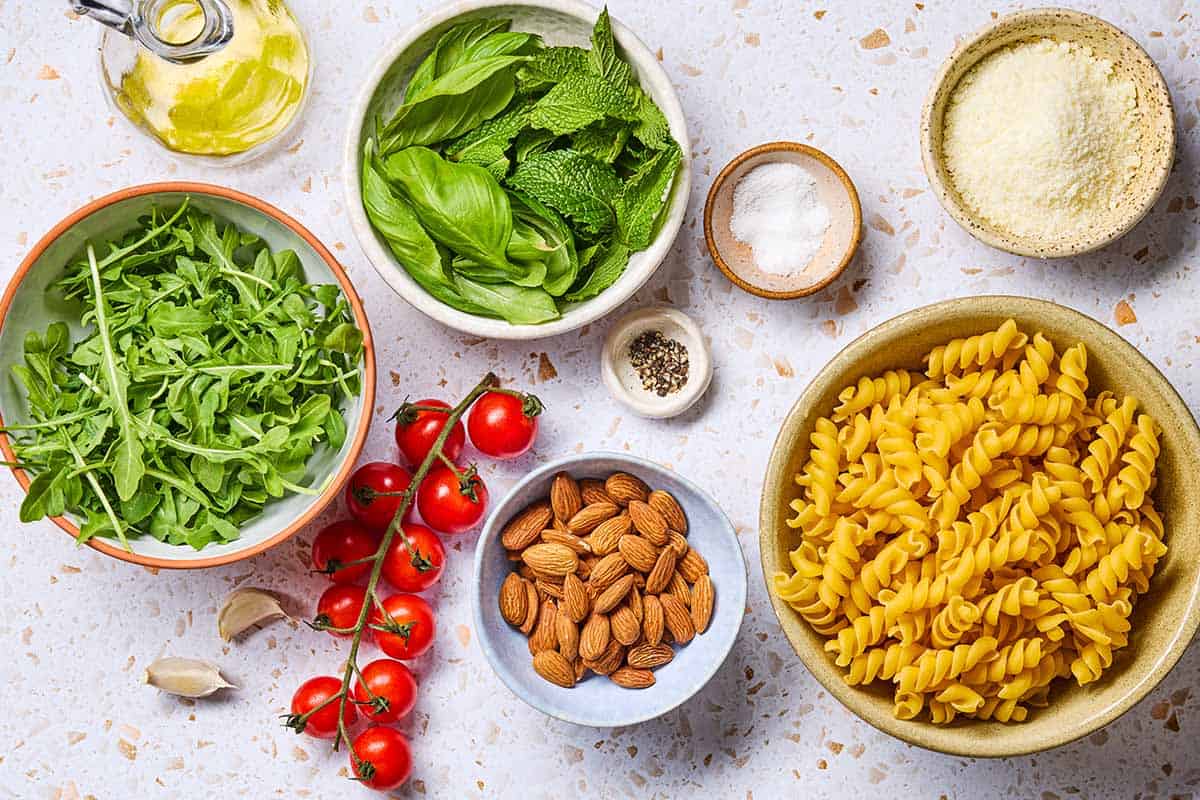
(27, 306)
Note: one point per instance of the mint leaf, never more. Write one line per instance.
(580, 99)
(549, 66)
(575, 185)
(651, 128)
(603, 141)
(487, 146)
(644, 197)
(610, 263)
(603, 55)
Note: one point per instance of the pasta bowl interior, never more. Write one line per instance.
(1162, 620)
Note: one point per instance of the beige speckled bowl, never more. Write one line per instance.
(1164, 619)
(1107, 41)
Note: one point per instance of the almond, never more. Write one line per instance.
(692, 566)
(623, 488)
(585, 567)
(565, 498)
(604, 537)
(652, 620)
(548, 589)
(590, 516)
(580, 669)
(613, 595)
(677, 619)
(660, 577)
(513, 599)
(648, 522)
(524, 529)
(554, 667)
(551, 559)
(532, 607)
(677, 542)
(632, 678)
(559, 525)
(545, 633)
(607, 571)
(702, 603)
(666, 504)
(625, 626)
(640, 554)
(575, 599)
(525, 572)
(579, 546)
(610, 660)
(649, 656)
(568, 636)
(636, 605)
(595, 637)
(680, 589)
(592, 491)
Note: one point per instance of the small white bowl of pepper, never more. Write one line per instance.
(656, 362)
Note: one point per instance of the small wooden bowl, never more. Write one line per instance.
(736, 259)
(1157, 146)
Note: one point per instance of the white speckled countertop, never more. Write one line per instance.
(847, 76)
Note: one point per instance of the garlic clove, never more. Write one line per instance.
(245, 608)
(185, 677)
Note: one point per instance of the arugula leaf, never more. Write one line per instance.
(573, 184)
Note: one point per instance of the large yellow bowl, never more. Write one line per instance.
(1164, 619)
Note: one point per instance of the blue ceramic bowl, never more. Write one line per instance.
(597, 701)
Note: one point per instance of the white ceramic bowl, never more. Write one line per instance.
(560, 22)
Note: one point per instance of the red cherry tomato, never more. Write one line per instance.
(418, 430)
(362, 493)
(381, 758)
(387, 691)
(418, 568)
(443, 504)
(323, 723)
(340, 605)
(341, 543)
(503, 425)
(414, 625)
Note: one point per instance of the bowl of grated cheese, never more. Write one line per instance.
(1049, 133)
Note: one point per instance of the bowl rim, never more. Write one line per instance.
(491, 532)
(926, 735)
(584, 313)
(764, 149)
(931, 156)
(335, 483)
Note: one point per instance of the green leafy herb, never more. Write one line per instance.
(575, 185)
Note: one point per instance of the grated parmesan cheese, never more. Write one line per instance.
(1040, 136)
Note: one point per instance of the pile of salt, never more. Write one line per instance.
(778, 213)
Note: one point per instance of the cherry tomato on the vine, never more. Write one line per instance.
(322, 723)
(365, 487)
(504, 425)
(412, 626)
(381, 758)
(340, 606)
(416, 565)
(341, 543)
(386, 692)
(416, 431)
(450, 502)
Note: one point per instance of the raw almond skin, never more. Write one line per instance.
(525, 572)
(579, 546)
(568, 636)
(677, 619)
(559, 525)
(702, 603)
(638, 552)
(625, 627)
(648, 522)
(595, 637)
(565, 497)
(580, 669)
(551, 559)
(635, 603)
(545, 633)
(590, 516)
(524, 529)
(652, 620)
(624, 488)
(611, 597)
(533, 606)
(592, 491)
(513, 600)
(680, 590)
(666, 504)
(607, 571)
(585, 567)
(677, 542)
(610, 660)
(649, 656)
(576, 602)
(548, 589)
(554, 667)
(632, 678)
(660, 577)
(692, 566)
(604, 537)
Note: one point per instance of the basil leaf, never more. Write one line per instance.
(554, 242)
(516, 304)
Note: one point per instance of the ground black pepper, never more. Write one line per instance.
(660, 362)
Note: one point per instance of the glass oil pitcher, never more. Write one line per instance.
(218, 79)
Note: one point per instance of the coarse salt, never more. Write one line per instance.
(778, 212)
